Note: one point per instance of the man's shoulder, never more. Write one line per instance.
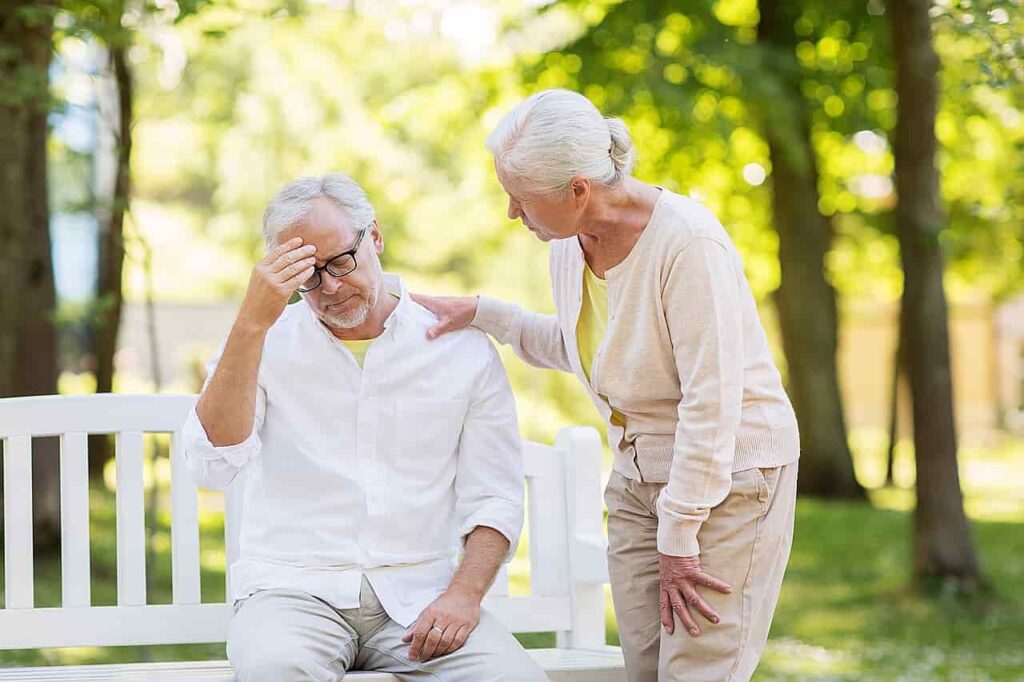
(469, 339)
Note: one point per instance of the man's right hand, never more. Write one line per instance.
(274, 280)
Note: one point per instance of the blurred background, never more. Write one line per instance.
(141, 140)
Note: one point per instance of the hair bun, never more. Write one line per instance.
(622, 152)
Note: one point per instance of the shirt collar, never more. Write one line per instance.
(398, 319)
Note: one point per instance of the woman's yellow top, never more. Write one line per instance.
(593, 323)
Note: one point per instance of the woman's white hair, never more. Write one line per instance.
(294, 201)
(557, 135)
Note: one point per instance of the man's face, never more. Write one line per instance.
(341, 302)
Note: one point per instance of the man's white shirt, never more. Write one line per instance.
(377, 471)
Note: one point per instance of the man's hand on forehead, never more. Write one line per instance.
(274, 279)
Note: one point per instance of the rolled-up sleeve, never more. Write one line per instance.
(703, 310)
(489, 483)
(216, 466)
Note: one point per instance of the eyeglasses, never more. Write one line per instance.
(339, 266)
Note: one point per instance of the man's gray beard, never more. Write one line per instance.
(353, 318)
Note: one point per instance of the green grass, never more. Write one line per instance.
(846, 611)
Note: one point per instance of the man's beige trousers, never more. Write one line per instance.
(291, 636)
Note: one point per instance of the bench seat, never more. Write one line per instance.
(562, 665)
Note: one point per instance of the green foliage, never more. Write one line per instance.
(696, 88)
(114, 23)
(24, 27)
(995, 31)
(981, 130)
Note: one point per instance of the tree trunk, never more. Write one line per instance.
(111, 253)
(943, 549)
(28, 346)
(24, 95)
(894, 412)
(805, 300)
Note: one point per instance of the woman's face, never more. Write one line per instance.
(555, 216)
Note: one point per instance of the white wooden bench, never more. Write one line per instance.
(566, 544)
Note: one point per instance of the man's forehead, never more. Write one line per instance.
(327, 216)
(326, 224)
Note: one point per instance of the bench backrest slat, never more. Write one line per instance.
(184, 529)
(549, 576)
(74, 520)
(19, 592)
(131, 521)
(586, 543)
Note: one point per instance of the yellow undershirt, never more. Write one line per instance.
(592, 325)
(360, 346)
(593, 320)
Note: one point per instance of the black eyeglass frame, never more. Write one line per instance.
(351, 253)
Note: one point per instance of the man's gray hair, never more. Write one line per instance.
(294, 201)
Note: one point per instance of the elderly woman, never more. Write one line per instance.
(656, 319)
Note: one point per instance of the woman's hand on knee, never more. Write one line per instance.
(680, 576)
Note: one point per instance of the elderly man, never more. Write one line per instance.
(369, 454)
